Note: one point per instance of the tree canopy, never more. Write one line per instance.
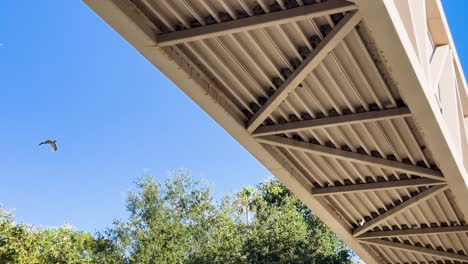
(179, 221)
(20, 243)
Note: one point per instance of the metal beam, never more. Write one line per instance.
(333, 121)
(375, 186)
(255, 22)
(317, 55)
(351, 156)
(413, 201)
(418, 16)
(128, 21)
(414, 232)
(438, 65)
(416, 249)
(382, 19)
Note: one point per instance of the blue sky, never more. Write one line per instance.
(67, 75)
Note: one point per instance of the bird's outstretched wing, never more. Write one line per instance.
(53, 145)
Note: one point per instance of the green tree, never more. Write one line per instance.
(245, 202)
(279, 235)
(224, 238)
(178, 221)
(64, 245)
(156, 229)
(286, 231)
(20, 243)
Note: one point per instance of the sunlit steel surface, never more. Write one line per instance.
(358, 107)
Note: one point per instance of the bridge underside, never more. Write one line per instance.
(315, 93)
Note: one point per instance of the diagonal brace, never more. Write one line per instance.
(414, 232)
(416, 249)
(255, 22)
(413, 201)
(307, 66)
(351, 156)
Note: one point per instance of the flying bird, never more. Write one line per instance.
(52, 143)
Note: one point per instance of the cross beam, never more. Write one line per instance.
(317, 55)
(413, 201)
(438, 65)
(351, 156)
(255, 22)
(416, 249)
(375, 186)
(414, 232)
(332, 121)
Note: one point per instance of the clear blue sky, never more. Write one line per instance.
(67, 75)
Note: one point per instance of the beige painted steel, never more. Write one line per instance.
(368, 187)
(382, 17)
(351, 156)
(308, 65)
(439, 60)
(384, 63)
(125, 18)
(410, 248)
(350, 119)
(250, 23)
(414, 232)
(421, 197)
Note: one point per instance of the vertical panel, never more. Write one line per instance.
(414, 17)
(448, 99)
(419, 20)
(405, 15)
